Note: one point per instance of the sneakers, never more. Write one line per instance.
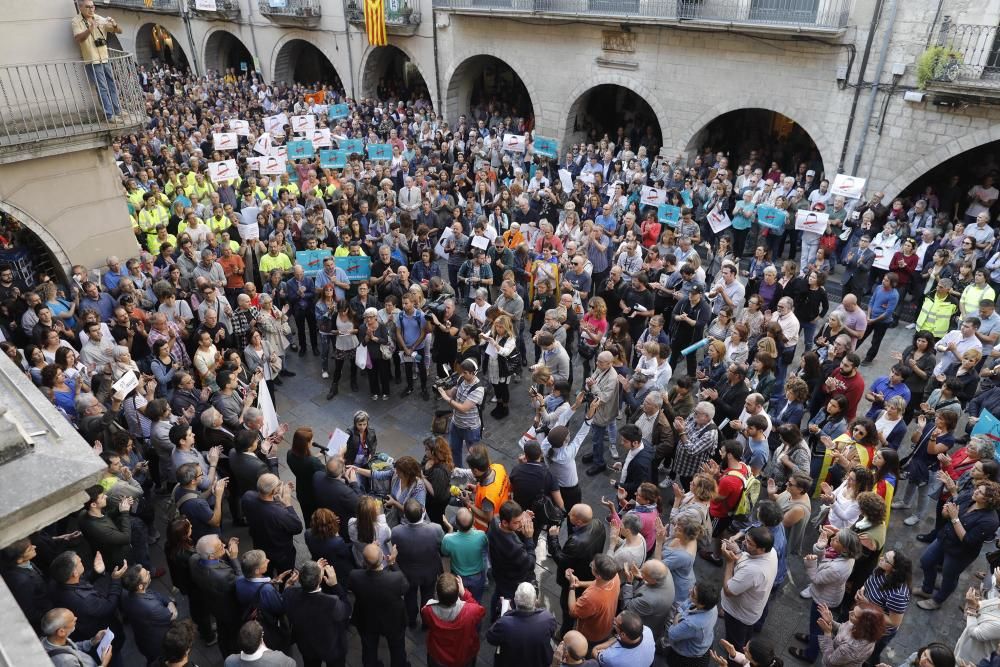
(899, 505)
(493, 400)
(325, 375)
(666, 483)
(385, 397)
(806, 593)
(911, 325)
(614, 449)
(911, 520)
(374, 397)
(929, 605)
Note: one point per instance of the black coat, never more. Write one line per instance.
(640, 470)
(338, 496)
(149, 617)
(731, 400)
(245, 468)
(319, 623)
(27, 585)
(524, 638)
(378, 601)
(217, 580)
(95, 609)
(354, 443)
(273, 526)
(578, 550)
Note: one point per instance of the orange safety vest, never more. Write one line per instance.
(497, 492)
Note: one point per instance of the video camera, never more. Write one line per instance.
(449, 381)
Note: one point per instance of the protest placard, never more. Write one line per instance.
(220, 172)
(304, 123)
(225, 141)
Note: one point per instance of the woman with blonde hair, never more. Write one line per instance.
(369, 526)
(500, 345)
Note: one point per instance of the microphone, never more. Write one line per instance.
(322, 448)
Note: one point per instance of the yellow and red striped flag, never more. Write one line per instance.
(375, 22)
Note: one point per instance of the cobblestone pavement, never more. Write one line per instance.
(401, 425)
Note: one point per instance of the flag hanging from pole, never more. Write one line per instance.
(375, 22)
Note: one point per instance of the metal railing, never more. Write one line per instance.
(161, 6)
(305, 9)
(56, 100)
(827, 14)
(223, 8)
(971, 53)
(403, 16)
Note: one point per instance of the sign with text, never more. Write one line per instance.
(263, 144)
(220, 172)
(301, 149)
(653, 196)
(772, 218)
(379, 151)
(351, 146)
(668, 214)
(332, 159)
(515, 143)
(276, 124)
(302, 124)
(849, 187)
(225, 141)
(546, 147)
(206, 5)
(312, 260)
(336, 111)
(320, 137)
(240, 127)
(273, 165)
(254, 162)
(357, 268)
(811, 221)
(718, 220)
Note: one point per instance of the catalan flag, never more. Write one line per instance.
(375, 22)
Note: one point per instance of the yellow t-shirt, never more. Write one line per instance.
(268, 263)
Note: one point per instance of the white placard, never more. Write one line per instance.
(566, 178)
(249, 215)
(587, 177)
(240, 127)
(249, 232)
(480, 242)
(336, 443)
(126, 384)
(220, 172)
(225, 141)
(653, 196)
(278, 151)
(320, 138)
(849, 187)
(276, 124)
(811, 221)
(254, 162)
(273, 165)
(515, 143)
(718, 220)
(206, 5)
(263, 144)
(266, 406)
(302, 124)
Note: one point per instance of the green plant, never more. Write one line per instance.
(933, 63)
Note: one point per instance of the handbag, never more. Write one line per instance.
(547, 513)
(361, 356)
(511, 364)
(440, 422)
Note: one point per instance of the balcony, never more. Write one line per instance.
(400, 19)
(798, 16)
(225, 10)
(964, 62)
(292, 12)
(51, 107)
(156, 6)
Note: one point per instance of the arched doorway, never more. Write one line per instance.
(298, 61)
(224, 50)
(154, 42)
(758, 136)
(615, 111)
(483, 86)
(29, 249)
(389, 74)
(951, 180)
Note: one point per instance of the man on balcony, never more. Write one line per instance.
(91, 32)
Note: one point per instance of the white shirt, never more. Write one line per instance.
(628, 458)
(789, 326)
(962, 345)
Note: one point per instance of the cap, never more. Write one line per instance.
(810, 173)
(697, 289)
(819, 206)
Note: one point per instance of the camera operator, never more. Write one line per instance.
(465, 399)
(445, 325)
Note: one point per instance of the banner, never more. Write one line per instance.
(849, 187)
(379, 151)
(225, 141)
(19, 261)
(546, 147)
(273, 165)
(254, 162)
(332, 159)
(312, 260)
(240, 127)
(263, 144)
(772, 218)
(718, 220)
(248, 232)
(811, 221)
(566, 178)
(266, 406)
(653, 196)
(299, 149)
(319, 97)
(668, 214)
(336, 111)
(206, 5)
(320, 138)
(301, 124)
(220, 172)
(357, 268)
(988, 427)
(352, 146)
(515, 143)
(276, 124)
(375, 22)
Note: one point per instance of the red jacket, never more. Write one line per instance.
(454, 643)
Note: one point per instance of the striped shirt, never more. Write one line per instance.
(892, 601)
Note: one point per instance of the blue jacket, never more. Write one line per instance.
(693, 634)
(989, 400)
(149, 617)
(94, 609)
(523, 638)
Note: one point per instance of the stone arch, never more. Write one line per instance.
(287, 61)
(460, 80)
(223, 49)
(59, 254)
(145, 46)
(375, 62)
(681, 139)
(944, 152)
(604, 78)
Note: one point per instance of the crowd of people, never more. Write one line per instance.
(672, 347)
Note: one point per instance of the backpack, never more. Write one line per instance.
(749, 494)
(175, 504)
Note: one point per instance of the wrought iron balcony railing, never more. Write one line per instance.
(400, 18)
(159, 6)
(966, 55)
(305, 11)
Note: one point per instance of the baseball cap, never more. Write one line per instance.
(696, 289)
(810, 173)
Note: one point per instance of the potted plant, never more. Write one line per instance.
(937, 63)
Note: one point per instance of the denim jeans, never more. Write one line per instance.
(951, 565)
(812, 651)
(475, 584)
(809, 248)
(807, 334)
(459, 438)
(598, 433)
(101, 76)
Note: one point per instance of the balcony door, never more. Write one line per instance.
(784, 11)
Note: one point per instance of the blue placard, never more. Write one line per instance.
(338, 111)
(300, 150)
(668, 215)
(357, 268)
(312, 260)
(379, 151)
(772, 218)
(330, 158)
(351, 146)
(686, 196)
(988, 428)
(546, 147)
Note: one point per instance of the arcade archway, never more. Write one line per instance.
(615, 111)
(225, 51)
(390, 74)
(153, 42)
(298, 61)
(950, 181)
(29, 249)
(485, 86)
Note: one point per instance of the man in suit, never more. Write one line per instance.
(148, 612)
(245, 466)
(26, 582)
(586, 537)
(379, 609)
(730, 398)
(95, 608)
(337, 492)
(214, 569)
(214, 433)
(638, 465)
(273, 521)
(253, 652)
(319, 619)
(523, 636)
(418, 541)
(649, 592)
